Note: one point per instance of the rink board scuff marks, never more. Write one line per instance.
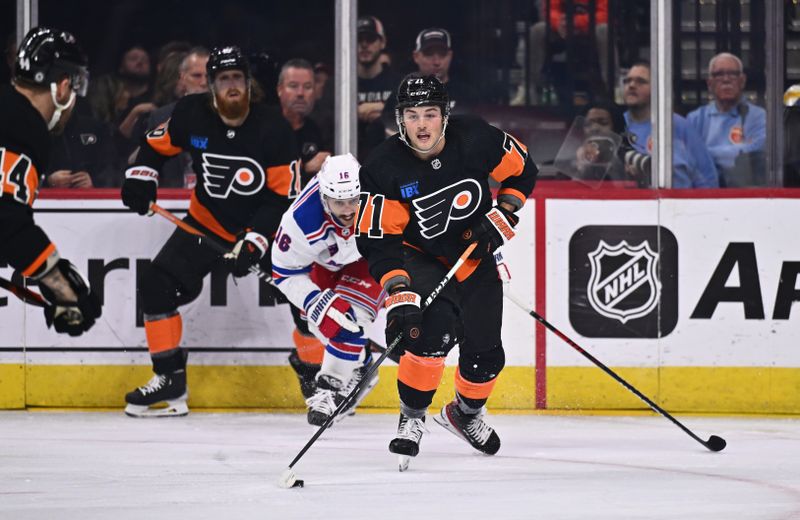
(103, 465)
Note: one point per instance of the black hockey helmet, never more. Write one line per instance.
(46, 56)
(226, 58)
(420, 91)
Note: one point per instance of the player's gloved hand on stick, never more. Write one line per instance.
(73, 318)
(247, 252)
(139, 189)
(490, 232)
(403, 315)
(333, 316)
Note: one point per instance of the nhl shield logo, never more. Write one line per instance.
(623, 284)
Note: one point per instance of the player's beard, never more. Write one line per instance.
(233, 108)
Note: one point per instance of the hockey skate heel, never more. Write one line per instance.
(162, 388)
(471, 428)
(406, 444)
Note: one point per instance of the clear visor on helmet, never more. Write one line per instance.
(79, 81)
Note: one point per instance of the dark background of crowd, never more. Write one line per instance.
(490, 42)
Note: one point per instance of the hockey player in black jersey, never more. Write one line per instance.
(247, 174)
(49, 72)
(425, 197)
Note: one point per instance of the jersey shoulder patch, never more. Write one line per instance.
(308, 213)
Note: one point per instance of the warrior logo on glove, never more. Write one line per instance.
(455, 202)
(223, 174)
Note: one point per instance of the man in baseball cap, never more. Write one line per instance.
(376, 81)
(433, 53)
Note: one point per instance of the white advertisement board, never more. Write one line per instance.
(231, 322)
(674, 282)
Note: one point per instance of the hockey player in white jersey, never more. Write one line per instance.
(315, 263)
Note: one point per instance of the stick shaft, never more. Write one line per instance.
(23, 293)
(214, 244)
(604, 368)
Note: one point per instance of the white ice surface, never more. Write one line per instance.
(225, 466)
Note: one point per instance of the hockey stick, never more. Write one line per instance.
(713, 443)
(380, 349)
(288, 479)
(220, 248)
(24, 294)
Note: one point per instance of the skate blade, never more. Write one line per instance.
(173, 409)
(402, 462)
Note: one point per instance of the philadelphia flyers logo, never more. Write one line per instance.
(455, 202)
(223, 174)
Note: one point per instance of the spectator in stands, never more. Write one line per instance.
(170, 48)
(692, 165)
(125, 95)
(596, 158)
(192, 79)
(376, 81)
(791, 136)
(568, 18)
(322, 114)
(121, 99)
(296, 95)
(733, 129)
(83, 156)
(433, 54)
(166, 87)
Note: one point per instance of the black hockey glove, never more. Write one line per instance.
(73, 318)
(403, 316)
(492, 231)
(247, 252)
(139, 189)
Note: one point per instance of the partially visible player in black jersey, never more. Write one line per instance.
(49, 72)
(425, 198)
(247, 174)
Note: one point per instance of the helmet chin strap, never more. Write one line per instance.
(59, 107)
(407, 142)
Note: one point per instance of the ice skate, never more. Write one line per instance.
(471, 428)
(325, 400)
(406, 444)
(162, 388)
(306, 373)
(358, 376)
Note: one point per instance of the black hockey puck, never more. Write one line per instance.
(299, 483)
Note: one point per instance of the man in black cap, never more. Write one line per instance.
(376, 82)
(433, 54)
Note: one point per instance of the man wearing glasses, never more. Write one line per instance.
(733, 129)
(692, 165)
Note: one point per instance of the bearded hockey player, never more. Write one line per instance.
(316, 264)
(426, 199)
(49, 72)
(247, 174)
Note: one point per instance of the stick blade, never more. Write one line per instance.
(715, 443)
(288, 479)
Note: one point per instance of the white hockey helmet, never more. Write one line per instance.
(338, 177)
